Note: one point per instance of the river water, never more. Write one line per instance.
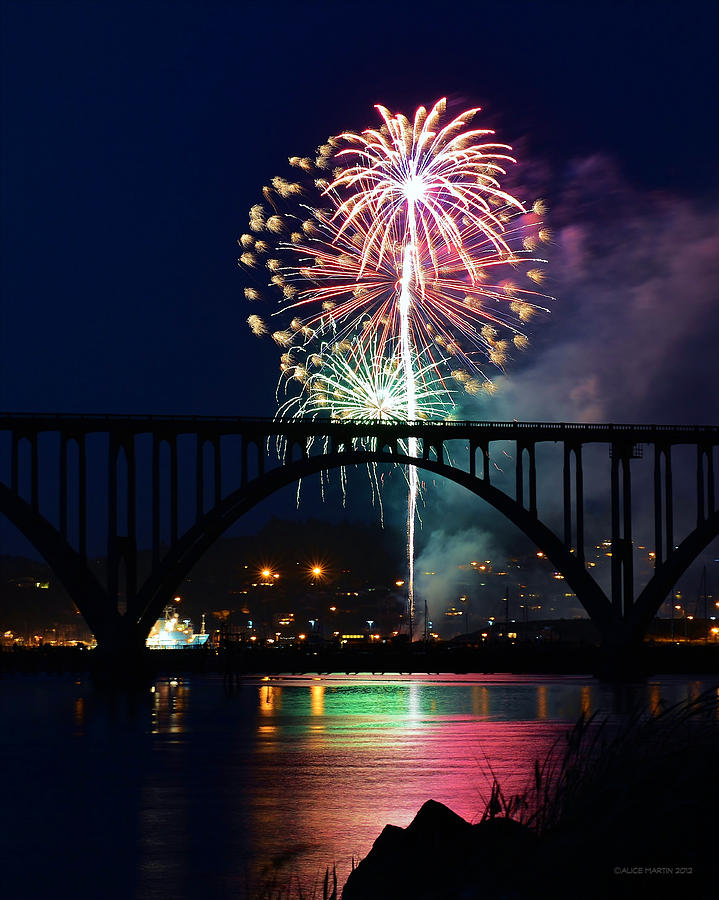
(187, 791)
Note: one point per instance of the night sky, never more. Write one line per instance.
(135, 136)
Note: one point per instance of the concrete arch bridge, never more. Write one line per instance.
(149, 469)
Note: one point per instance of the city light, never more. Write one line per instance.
(317, 571)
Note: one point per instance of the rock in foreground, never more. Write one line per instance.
(440, 856)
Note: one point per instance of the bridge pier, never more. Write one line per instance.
(121, 658)
(621, 657)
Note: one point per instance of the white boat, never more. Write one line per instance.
(170, 632)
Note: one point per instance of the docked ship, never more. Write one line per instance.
(170, 632)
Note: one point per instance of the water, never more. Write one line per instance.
(187, 791)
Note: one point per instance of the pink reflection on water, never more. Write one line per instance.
(349, 762)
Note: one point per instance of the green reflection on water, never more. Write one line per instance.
(333, 708)
(293, 708)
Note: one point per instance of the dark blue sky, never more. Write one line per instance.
(136, 135)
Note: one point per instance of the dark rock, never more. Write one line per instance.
(390, 842)
(440, 856)
(434, 818)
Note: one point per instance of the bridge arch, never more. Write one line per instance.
(666, 576)
(68, 565)
(169, 574)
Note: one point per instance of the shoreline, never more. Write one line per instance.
(234, 663)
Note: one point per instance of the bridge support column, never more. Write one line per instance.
(218, 470)
(63, 485)
(519, 474)
(112, 548)
(199, 478)
(122, 547)
(706, 500)
(14, 465)
(579, 501)
(130, 554)
(668, 499)
(173, 490)
(700, 485)
(34, 475)
(622, 550)
(155, 491)
(82, 496)
(567, 490)
(658, 535)
(574, 523)
(532, 479)
(485, 463)
(663, 504)
(628, 547)
(34, 467)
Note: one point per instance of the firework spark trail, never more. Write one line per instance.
(362, 385)
(400, 260)
(404, 178)
(359, 384)
(405, 301)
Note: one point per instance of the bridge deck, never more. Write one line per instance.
(210, 426)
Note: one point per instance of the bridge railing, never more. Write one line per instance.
(9, 419)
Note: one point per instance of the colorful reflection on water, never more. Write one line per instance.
(188, 791)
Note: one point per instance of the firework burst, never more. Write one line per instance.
(359, 383)
(411, 263)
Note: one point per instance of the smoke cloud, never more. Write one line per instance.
(633, 334)
(632, 338)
